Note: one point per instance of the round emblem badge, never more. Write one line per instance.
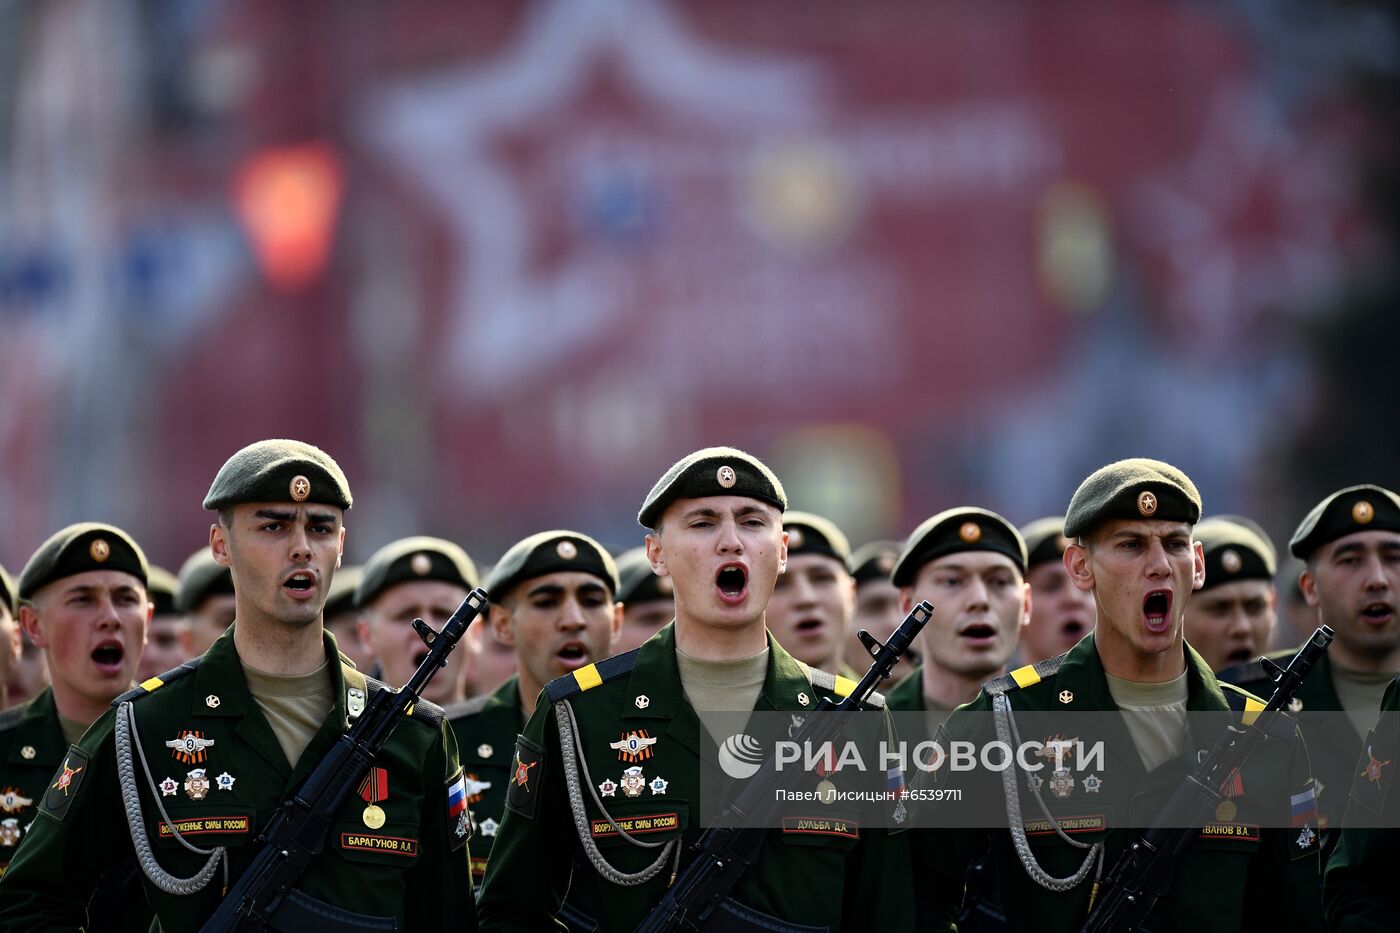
(1147, 504)
(1231, 561)
(1362, 512)
(566, 550)
(99, 550)
(795, 538)
(420, 564)
(970, 532)
(725, 477)
(300, 488)
(885, 562)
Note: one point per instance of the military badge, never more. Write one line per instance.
(658, 786)
(1146, 504)
(1371, 785)
(421, 564)
(12, 801)
(225, 781)
(1374, 767)
(725, 477)
(1092, 784)
(795, 538)
(373, 788)
(1062, 783)
(169, 787)
(633, 782)
(608, 788)
(1306, 838)
(189, 747)
(99, 550)
(526, 773)
(489, 827)
(1231, 561)
(10, 832)
(566, 550)
(458, 816)
(1362, 512)
(475, 786)
(299, 488)
(970, 532)
(197, 784)
(485, 750)
(634, 746)
(1035, 782)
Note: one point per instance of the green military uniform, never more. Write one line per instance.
(31, 746)
(1360, 890)
(1238, 876)
(828, 881)
(486, 727)
(812, 534)
(907, 696)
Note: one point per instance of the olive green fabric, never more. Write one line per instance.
(78, 549)
(160, 587)
(874, 561)
(1234, 551)
(486, 727)
(1045, 540)
(832, 882)
(954, 531)
(31, 748)
(1134, 489)
(714, 471)
(414, 868)
(1360, 890)
(812, 534)
(409, 560)
(551, 552)
(201, 576)
(279, 470)
(1346, 511)
(7, 592)
(637, 583)
(1257, 880)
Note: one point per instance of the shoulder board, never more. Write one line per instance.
(152, 684)
(466, 708)
(841, 686)
(11, 717)
(1242, 701)
(424, 711)
(1023, 677)
(590, 676)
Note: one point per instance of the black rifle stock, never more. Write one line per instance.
(724, 852)
(263, 897)
(1144, 871)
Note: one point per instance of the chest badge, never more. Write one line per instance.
(197, 784)
(9, 832)
(633, 746)
(489, 827)
(485, 750)
(374, 788)
(522, 772)
(225, 781)
(475, 787)
(169, 787)
(658, 786)
(65, 780)
(1092, 784)
(189, 747)
(1372, 771)
(11, 801)
(1062, 783)
(608, 788)
(633, 781)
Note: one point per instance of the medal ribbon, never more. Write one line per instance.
(375, 786)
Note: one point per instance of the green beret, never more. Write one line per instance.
(7, 592)
(1045, 540)
(201, 577)
(1346, 511)
(551, 552)
(279, 471)
(1133, 489)
(160, 587)
(78, 549)
(638, 583)
(409, 560)
(953, 531)
(341, 598)
(1236, 549)
(874, 561)
(714, 471)
(812, 534)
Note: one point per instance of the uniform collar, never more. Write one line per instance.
(1081, 676)
(40, 729)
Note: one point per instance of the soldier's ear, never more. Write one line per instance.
(218, 544)
(499, 617)
(1198, 569)
(1307, 584)
(1077, 564)
(29, 621)
(656, 555)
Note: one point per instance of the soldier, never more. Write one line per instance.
(9, 634)
(647, 600)
(715, 521)
(414, 578)
(168, 639)
(877, 606)
(1351, 544)
(552, 603)
(1230, 620)
(204, 593)
(810, 612)
(223, 740)
(83, 602)
(1359, 889)
(970, 563)
(1131, 524)
(1063, 612)
(343, 619)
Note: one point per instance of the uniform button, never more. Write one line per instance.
(642, 701)
(485, 750)
(28, 752)
(802, 698)
(1066, 696)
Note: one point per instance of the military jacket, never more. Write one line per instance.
(643, 748)
(217, 769)
(907, 696)
(486, 727)
(1360, 890)
(1238, 875)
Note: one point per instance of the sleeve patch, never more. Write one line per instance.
(526, 773)
(65, 784)
(459, 821)
(1370, 785)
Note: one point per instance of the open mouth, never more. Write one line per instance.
(1156, 608)
(1377, 613)
(572, 654)
(300, 584)
(979, 633)
(108, 656)
(733, 583)
(1073, 629)
(1240, 656)
(810, 627)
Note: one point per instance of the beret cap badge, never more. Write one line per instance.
(300, 488)
(1146, 503)
(421, 564)
(795, 538)
(99, 550)
(1231, 561)
(1362, 512)
(566, 550)
(726, 477)
(970, 532)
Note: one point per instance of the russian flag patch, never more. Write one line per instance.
(456, 797)
(1303, 808)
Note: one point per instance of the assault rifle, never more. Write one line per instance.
(726, 850)
(1144, 871)
(263, 898)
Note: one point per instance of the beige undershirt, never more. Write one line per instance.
(722, 686)
(294, 706)
(1155, 715)
(73, 730)
(1361, 693)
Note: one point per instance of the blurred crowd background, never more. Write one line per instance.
(508, 261)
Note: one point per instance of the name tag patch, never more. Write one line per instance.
(1089, 823)
(205, 826)
(367, 842)
(637, 825)
(1241, 832)
(821, 826)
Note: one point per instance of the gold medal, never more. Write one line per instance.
(826, 792)
(1226, 811)
(373, 816)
